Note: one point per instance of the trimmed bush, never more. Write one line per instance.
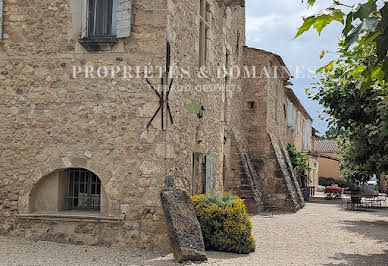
(224, 222)
(328, 181)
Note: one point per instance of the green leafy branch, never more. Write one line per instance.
(299, 160)
(364, 26)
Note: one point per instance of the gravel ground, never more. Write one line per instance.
(320, 234)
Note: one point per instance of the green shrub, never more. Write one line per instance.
(299, 160)
(328, 181)
(224, 222)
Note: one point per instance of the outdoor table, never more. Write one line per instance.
(333, 192)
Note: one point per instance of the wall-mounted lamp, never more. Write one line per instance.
(201, 113)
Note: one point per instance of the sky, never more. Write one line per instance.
(272, 25)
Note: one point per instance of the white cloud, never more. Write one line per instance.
(272, 25)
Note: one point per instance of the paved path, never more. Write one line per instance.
(320, 234)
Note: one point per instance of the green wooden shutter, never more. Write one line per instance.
(291, 115)
(213, 175)
(307, 134)
(210, 173)
(1, 20)
(123, 18)
(84, 19)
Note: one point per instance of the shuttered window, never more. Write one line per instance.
(307, 134)
(210, 173)
(204, 25)
(123, 18)
(1, 20)
(106, 18)
(291, 115)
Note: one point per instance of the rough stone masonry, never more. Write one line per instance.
(183, 226)
(78, 163)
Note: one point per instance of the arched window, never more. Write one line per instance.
(67, 190)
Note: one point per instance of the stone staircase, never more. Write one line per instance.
(248, 188)
(288, 175)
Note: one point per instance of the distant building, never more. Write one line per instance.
(302, 135)
(327, 152)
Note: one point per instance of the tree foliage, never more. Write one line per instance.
(331, 133)
(299, 161)
(360, 119)
(364, 25)
(353, 88)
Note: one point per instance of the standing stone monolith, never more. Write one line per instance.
(183, 226)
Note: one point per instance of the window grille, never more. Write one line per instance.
(84, 191)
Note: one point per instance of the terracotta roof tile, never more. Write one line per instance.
(326, 145)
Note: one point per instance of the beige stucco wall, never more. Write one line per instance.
(329, 168)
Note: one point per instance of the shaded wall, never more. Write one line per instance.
(329, 168)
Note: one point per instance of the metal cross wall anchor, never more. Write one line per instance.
(163, 96)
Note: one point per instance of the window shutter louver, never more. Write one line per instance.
(213, 177)
(123, 18)
(84, 19)
(304, 135)
(1, 20)
(291, 115)
(307, 134)
(210, 173)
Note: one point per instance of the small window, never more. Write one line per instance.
(84, 190)
(100, 18)
(251, 105)
(104, 22)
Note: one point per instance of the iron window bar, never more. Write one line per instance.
(84, 191)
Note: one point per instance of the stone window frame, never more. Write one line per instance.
(122, 20)
(90, 41)
(204, 28)
(51, 194)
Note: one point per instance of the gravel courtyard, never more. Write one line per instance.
(320, 234)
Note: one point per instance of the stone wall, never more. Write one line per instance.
(259, 110)
(296, 138)
(52, 120)
(226, 23)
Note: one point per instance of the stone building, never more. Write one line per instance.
(259, 126)
(78, 162)
(302, 136)
(102, 99)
